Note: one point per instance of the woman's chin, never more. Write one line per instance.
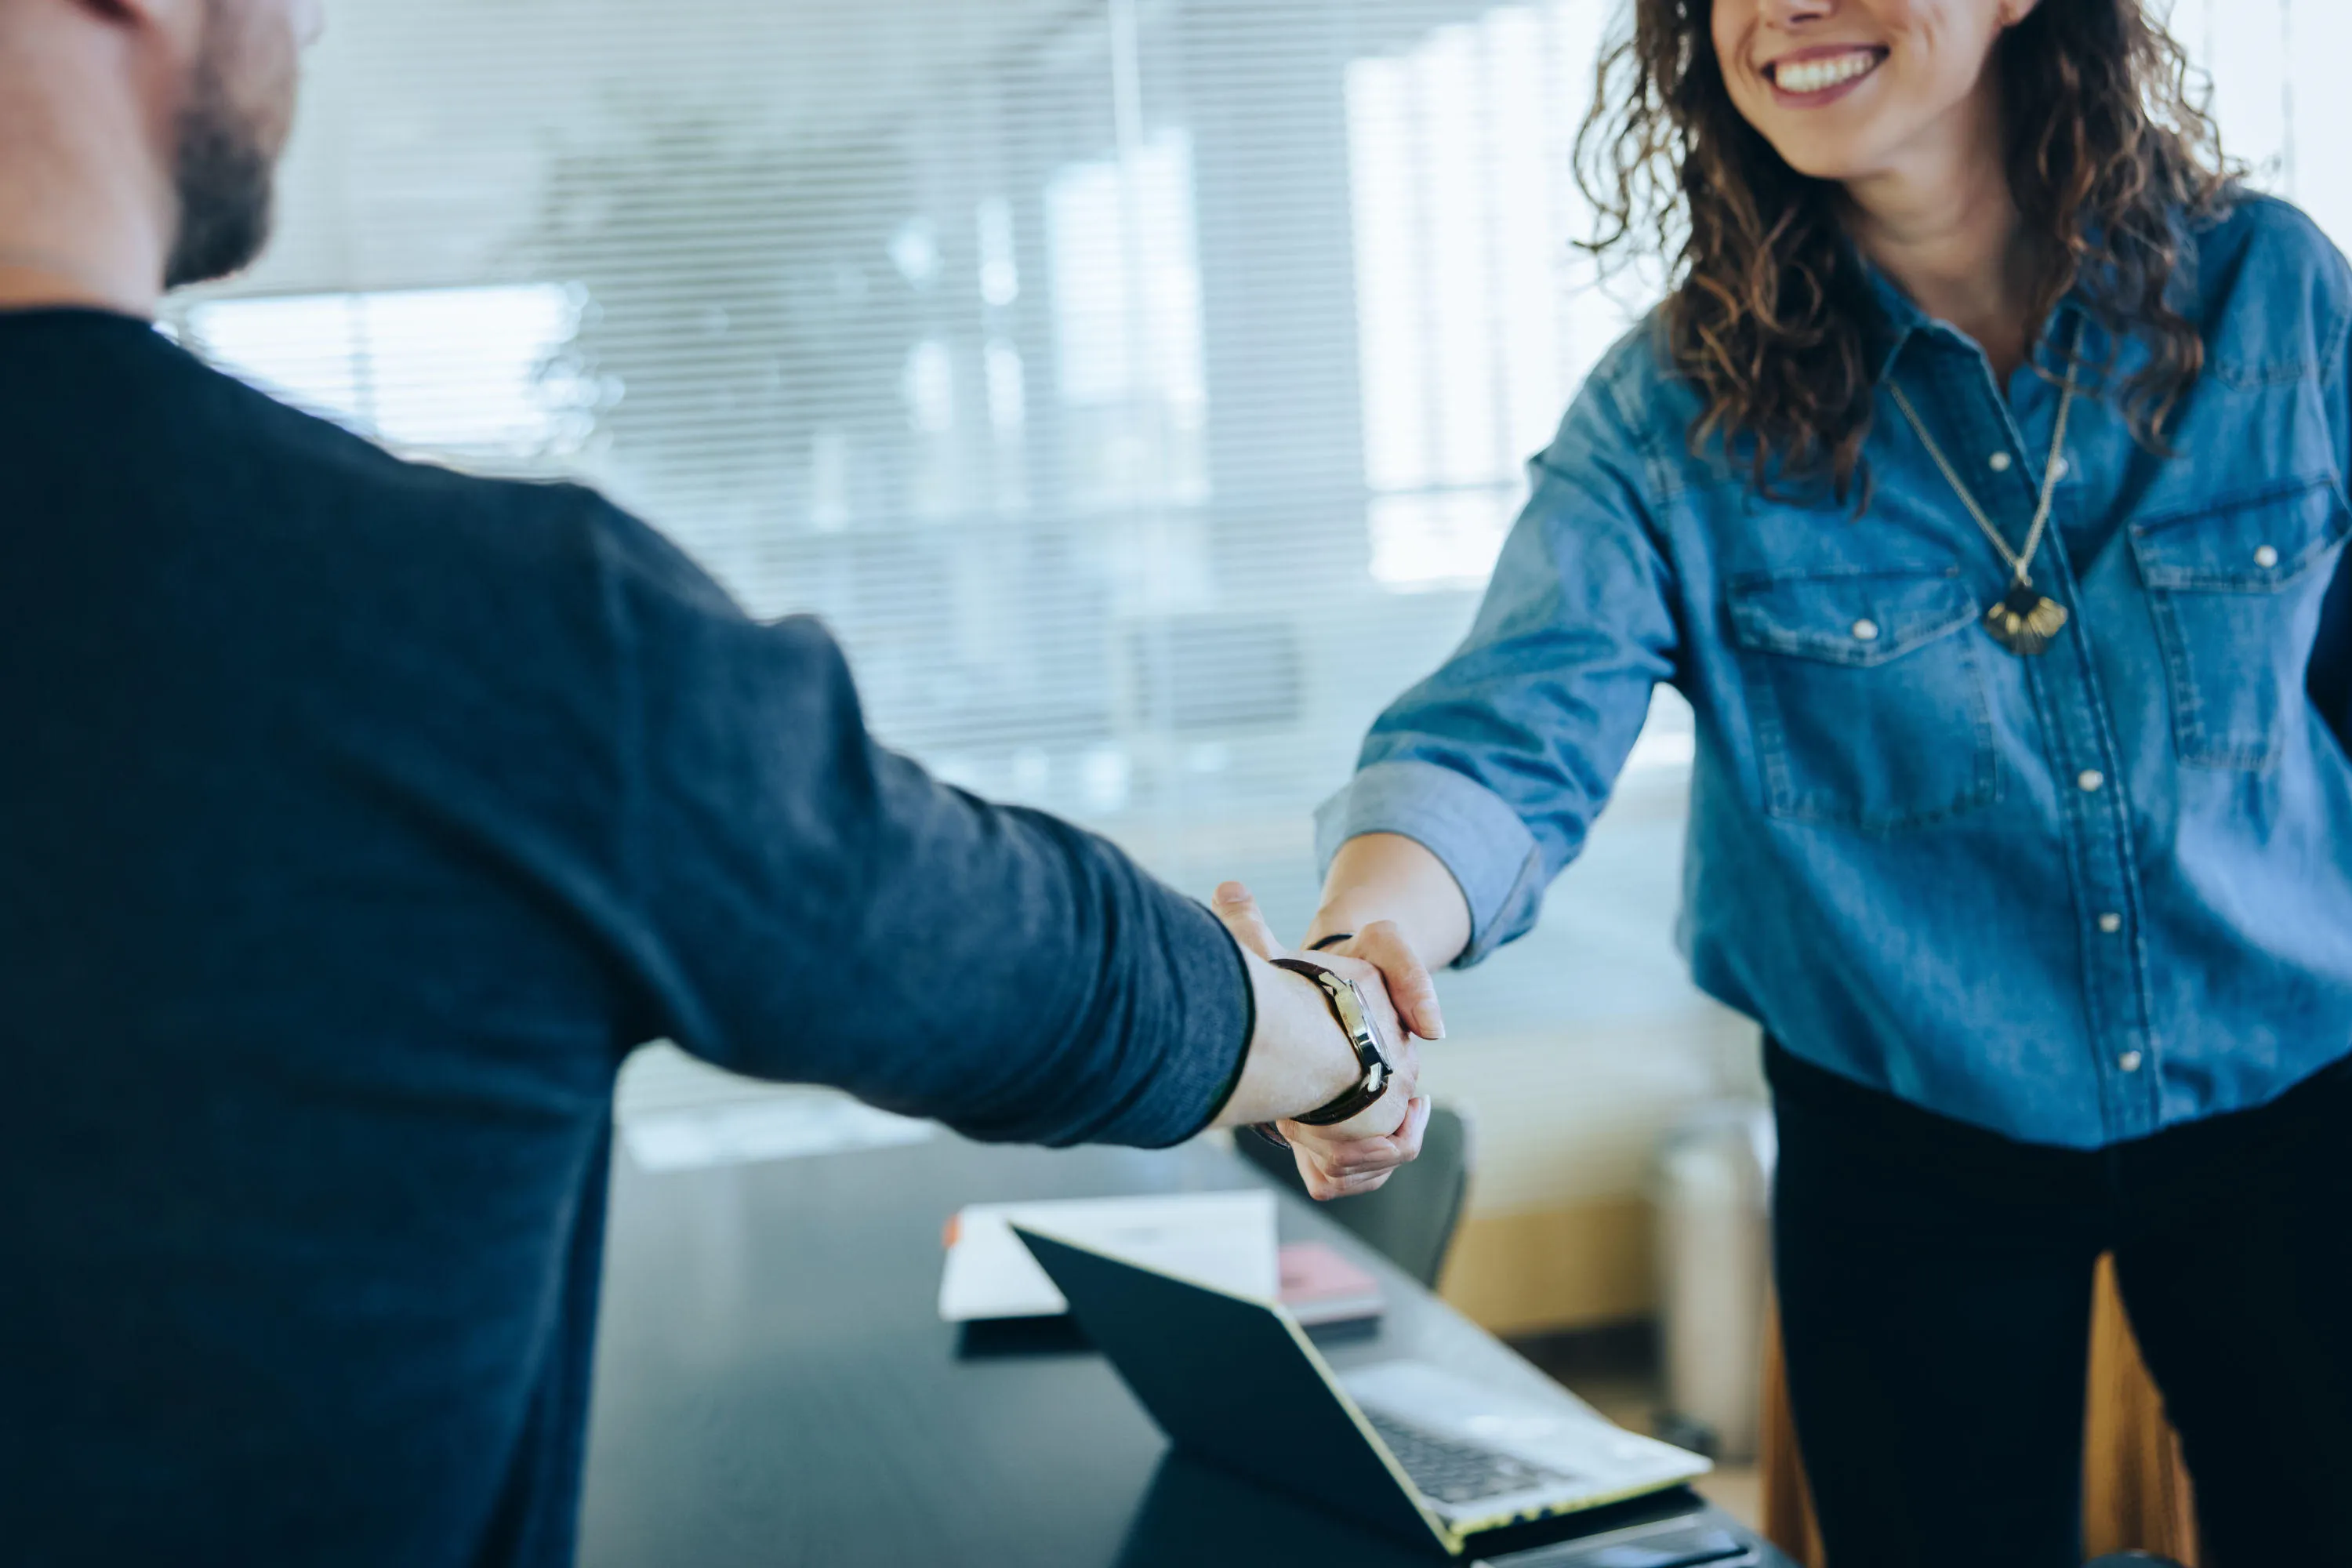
(1820, 159)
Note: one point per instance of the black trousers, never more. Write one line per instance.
(1935, 1284)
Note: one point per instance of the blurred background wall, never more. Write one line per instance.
(1141, 388)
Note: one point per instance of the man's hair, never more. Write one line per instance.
(2108, 152)
(223, 168)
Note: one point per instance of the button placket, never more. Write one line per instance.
(2099, 858)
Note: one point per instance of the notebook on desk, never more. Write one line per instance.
(1406, 1448)
(1223, 1239)
(1324, 1289)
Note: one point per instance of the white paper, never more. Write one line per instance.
(1224, 1240)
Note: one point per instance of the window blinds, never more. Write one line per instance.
(1141, 388)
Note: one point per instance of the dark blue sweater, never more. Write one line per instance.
(356, 819)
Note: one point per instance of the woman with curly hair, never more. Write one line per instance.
(1982, 484)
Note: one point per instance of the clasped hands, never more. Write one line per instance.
(1360, 1154)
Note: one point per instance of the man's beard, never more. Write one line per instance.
(223, 169)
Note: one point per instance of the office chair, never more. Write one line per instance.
(2135, 1494)
(1410, 1221)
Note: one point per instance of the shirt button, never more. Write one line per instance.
(2267, 558)
(2091, 781)
(2129, 1061)
(2000, 462)
(1866, 631)
(2061, 468)
(2111, 923)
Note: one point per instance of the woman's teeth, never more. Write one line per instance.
(1821, 75)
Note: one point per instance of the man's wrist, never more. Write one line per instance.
(1300, 1057)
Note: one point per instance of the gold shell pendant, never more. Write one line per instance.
(2026, 623)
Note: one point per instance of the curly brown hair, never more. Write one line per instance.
(1768, 316)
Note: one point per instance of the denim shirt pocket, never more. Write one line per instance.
(1866, 697)
(2236, 591)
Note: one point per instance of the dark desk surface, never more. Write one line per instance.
(773, 1386)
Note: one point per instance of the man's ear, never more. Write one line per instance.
(2012, 12)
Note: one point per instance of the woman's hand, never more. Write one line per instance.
(1357, 1155)
(1383, 945)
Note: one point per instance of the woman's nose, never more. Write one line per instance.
(1794, 13)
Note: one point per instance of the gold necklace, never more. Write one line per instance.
(2026, 621)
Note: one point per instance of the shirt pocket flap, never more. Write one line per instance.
(1852, 618)
(2252, 545)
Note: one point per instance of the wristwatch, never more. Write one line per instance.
(1346, 1005)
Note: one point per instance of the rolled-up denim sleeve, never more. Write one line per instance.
(1499, 762)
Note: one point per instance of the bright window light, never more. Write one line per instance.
(468, 372)
(1477, 317)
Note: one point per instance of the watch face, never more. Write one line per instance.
(1355, 1020)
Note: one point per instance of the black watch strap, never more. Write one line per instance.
(1346, 1005)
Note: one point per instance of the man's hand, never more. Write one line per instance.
(1357, 1155)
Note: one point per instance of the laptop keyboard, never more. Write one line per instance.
(1449, 1471)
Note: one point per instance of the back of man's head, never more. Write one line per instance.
(138, 141)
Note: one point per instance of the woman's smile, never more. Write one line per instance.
(1811, 77)
(1904, 83)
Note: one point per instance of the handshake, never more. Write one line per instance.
(1300, 1059)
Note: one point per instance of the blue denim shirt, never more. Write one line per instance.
(2073, 899)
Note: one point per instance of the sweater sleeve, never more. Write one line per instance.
(819, 910)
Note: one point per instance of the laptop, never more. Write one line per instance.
(1406, 1448)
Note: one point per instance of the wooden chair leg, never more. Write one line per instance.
(2135, 1492)
(1788, 1519)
